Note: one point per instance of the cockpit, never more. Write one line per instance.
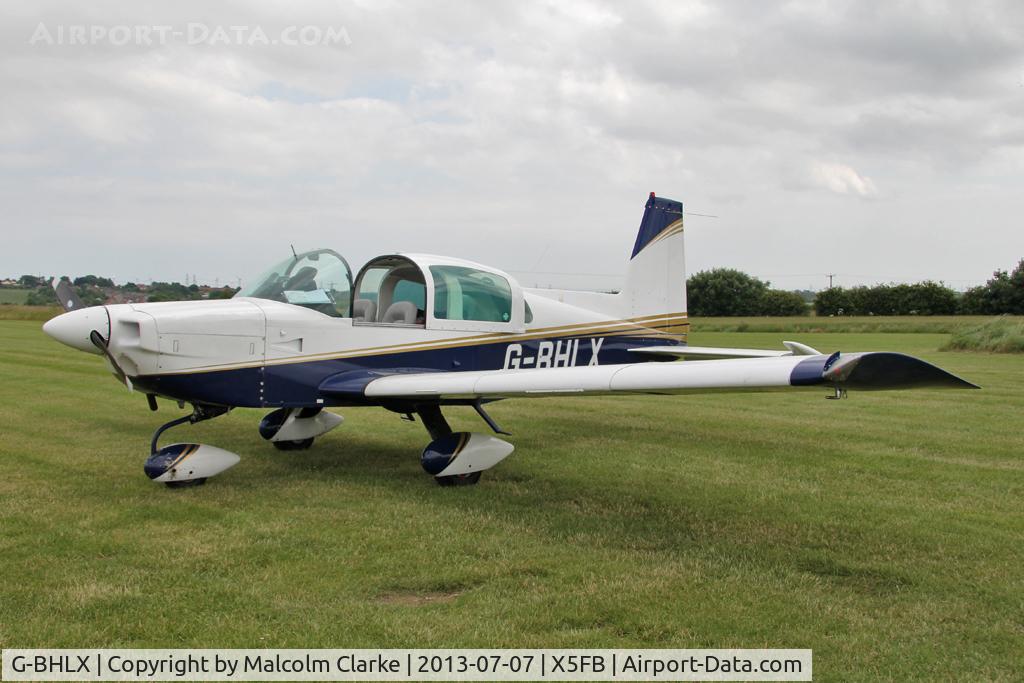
(399, 290)
(319, 279)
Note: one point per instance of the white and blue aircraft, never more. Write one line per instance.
(414, 333)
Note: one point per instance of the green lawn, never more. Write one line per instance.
(885, 531)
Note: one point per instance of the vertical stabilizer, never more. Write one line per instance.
(656, 277)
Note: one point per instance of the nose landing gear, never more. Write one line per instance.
(188, 464)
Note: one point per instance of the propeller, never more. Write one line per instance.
(66, 295)
(102, 344)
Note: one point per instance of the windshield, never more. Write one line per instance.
(319, 279)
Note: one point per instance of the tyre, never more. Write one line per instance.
(185, 484)
(300, 445)
(459, 479)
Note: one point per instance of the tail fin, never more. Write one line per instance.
(656, 277)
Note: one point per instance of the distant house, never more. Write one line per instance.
(118, 297)
(8, 283)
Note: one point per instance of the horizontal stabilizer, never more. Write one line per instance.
(711, 353)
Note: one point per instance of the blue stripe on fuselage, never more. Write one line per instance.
(298, 384)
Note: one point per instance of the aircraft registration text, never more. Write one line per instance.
(551, 354)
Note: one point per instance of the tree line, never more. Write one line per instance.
(726, 291)
(95, 290)
(729, 292)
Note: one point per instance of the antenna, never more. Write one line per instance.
(293, 252)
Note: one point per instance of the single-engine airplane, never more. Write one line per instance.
(414, 333)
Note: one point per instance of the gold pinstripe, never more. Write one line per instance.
(651, 325)
(192, 448)
(628, 325)
(671, 229)
(463, 440)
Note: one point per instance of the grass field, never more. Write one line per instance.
(13, 296)
(33, 313)
(885, 531)
(934, 324)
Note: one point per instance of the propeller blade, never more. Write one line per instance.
(100, 343)
(66, 295)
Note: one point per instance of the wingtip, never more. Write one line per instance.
(884, 370)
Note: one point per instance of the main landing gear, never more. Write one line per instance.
(459, 458)
(295, 429)
(453, 458)
(188, 464)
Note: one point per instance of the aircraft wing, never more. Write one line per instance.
(868, 371)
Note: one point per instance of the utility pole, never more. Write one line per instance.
(830, 276)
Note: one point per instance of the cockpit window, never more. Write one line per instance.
(462, 293)
(391, 290)
(319, 280)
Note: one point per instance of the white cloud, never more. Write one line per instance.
(842, 179)
(498, 130)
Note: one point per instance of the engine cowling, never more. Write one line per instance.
(464, 453)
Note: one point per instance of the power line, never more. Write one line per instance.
(552, 272)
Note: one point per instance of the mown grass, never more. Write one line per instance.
(884, 531)
(938, 324)
(1002, 335)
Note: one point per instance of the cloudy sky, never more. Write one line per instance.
(878, 141)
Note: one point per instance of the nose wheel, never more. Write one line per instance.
(185, 484)
(459, 479)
